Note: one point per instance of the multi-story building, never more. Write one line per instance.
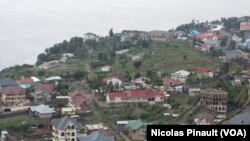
(245, 26)
(157, 35)
(135, 96)
(12, 95)
(65, 129)
(43, 92)
(137, 130)
(214, 99)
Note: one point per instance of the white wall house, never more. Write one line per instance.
(65, 128)
(135, 96)
(113, 80)
(106, 68)
(181, 75)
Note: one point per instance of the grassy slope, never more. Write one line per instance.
(166, 58)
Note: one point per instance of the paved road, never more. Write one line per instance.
(184, 117)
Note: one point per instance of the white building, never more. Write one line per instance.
(43, 111)
(113, 80)
(90, 36)
(68, 111)
(65, 129)
(135, 96)
(181, 75)
(106, 68)
(121, 52)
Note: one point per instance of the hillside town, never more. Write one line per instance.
(72, 106)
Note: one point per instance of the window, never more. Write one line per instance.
(68, 126)
(62, 134)
(73, 134)
(72, 127)
(72, 139)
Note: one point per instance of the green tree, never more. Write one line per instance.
(111, 33)
(232, 45)
(137, 64)
(225, 67)
(78, 75)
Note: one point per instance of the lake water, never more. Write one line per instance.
(241, 118)
(27, 27)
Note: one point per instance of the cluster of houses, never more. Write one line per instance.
(155, 35)
(56, 63)
(15, 96)
(206, 40)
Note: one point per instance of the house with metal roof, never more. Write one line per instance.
(137, 129)
(194, 33)
(5, 82)
(42, 111)
(96, 136)
(65, 128)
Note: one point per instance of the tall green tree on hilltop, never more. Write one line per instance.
(111, 33)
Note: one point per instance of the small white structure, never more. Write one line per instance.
(53, 78)
(4, 135)
(175, 115)
(113, 80)
(49, 65)
(141, 80)
(90, 36)
(168, 106)
(106, 68)
(236, 38)
(122, 122)
(68, 111)
(166, 114)
(194, 91)
(181, 75)
(62, 97)
(217, 28)
(178, 89)
(92, 127)
(121, 52)
(66, 56)
(35, 79)
(136, 58)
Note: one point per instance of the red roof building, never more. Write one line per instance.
(245, 26)
(25, 80)
(168, 81)
(44, 88)
(78, 101)
(205, 36)
(135, 96)
(205, 72)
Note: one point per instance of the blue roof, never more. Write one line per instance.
(96, 136)
(248, 44)
(7, 82)
(194, 32)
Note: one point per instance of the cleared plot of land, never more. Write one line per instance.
(16, 123)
